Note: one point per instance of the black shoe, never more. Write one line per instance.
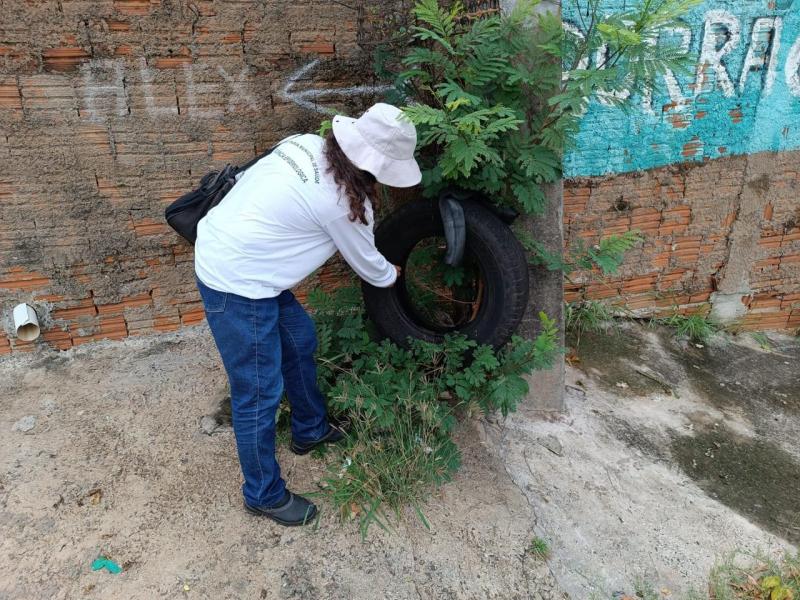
(294, 510)
(334, 435)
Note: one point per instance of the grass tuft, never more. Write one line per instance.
(756, 577)
(696, 328)
(762, 340)
(587, 317)
(539, 548)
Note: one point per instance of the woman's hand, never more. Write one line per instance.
(399, 272)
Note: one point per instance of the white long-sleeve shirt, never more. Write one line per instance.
(281, 221)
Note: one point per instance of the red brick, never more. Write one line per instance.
(114, 25)
(166, 323)
(790, 301)
(150, 227)
(766, 320)
(58, 339)
(640, 302)
(609, 230)
(172, 62)
(790, 236)
(319, 47)
(770, 241)
(18, 345)
(765, 301)
(599, 291)
(701, 297)
(790, 259)
(130, 302)
(64, 59)
(192, 317)
(671, 228)
(113, 326)
(673, 300)
(18, 279)
(135, 7)
(639, 284)
(10, 97)
(80, 308)
(767, 262)
(697, 309)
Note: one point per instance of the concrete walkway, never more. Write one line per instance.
(669, 456)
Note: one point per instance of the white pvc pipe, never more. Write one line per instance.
(26, 323)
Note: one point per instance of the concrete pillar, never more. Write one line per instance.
(733, 279)
(546, 295)
(546, 287)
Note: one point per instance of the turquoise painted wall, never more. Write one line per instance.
(728, 113)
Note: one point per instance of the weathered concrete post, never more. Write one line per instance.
(547, 295)
(547, 287)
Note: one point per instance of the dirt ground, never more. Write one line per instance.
(102, 453)
(670, 456)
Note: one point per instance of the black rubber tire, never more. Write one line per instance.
(492, 244)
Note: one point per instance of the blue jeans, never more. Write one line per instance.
(266, 346)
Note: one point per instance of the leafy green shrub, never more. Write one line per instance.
(605, 258)
(496, 100)
(402, 404)
(493, 103)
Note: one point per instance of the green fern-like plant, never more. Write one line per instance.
(402, 403)
(606, 257)
(492, 102)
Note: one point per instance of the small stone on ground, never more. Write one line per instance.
(25, 424)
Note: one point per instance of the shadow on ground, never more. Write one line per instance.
(751, 474)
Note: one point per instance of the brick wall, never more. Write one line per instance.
(111, 109)
(722, 224)
(687, 214)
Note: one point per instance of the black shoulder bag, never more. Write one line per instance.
(185, 213)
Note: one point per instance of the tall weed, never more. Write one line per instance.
(402, 404)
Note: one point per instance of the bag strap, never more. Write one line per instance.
(249, 164)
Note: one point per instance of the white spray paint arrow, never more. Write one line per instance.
(308, 98)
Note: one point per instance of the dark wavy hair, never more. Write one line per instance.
(356, 184)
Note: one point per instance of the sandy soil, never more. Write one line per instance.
(116, 464)
(670, 456)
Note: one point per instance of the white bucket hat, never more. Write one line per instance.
(382, 142)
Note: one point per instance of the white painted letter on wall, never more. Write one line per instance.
(104, 96)
(765, 44)
(793, 69)
(712, 51)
